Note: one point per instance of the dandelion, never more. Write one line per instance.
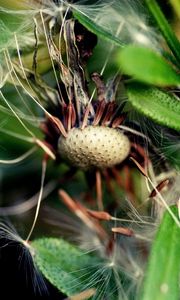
(85, 132)
(90, 131)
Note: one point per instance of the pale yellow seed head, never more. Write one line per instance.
(94, 146)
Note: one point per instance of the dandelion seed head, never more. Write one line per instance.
(92, 147)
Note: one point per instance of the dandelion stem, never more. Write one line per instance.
(44, 165)
(20, 158)
(28, 204)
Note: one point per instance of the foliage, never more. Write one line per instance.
(165, 254)
(63, 264)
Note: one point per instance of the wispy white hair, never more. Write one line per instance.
(124, 19)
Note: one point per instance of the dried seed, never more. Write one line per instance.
(159, 187)
(122, 230)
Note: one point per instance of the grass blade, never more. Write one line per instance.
(165, 28)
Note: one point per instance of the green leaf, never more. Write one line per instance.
(63, 264)
(147, 66)
(165, 28)
(163, 270)
(176, 7)
(155, 104)
(96, 29)
(15, 4)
